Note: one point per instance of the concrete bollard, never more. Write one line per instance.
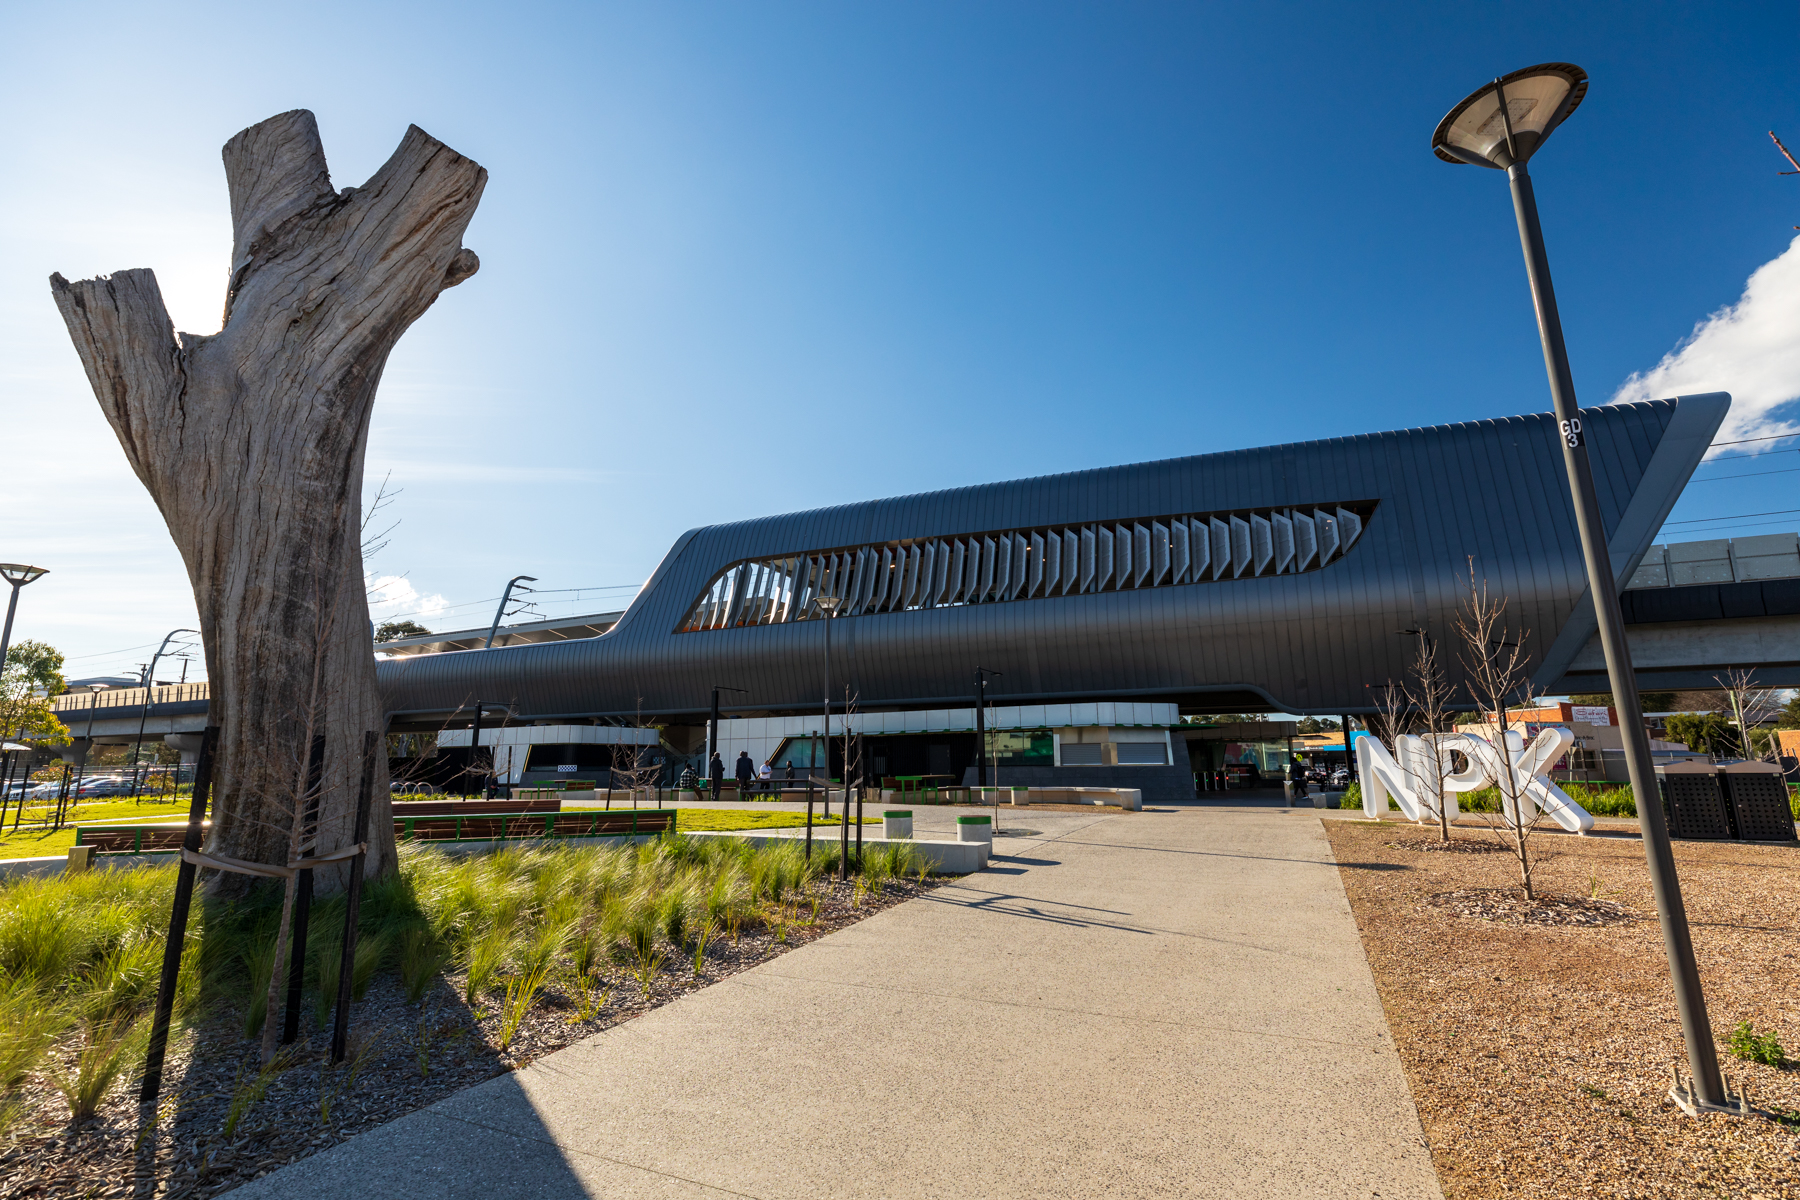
(896, 823)
(974, 829)
(81, 858)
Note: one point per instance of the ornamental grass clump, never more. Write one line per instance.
(327, 967)
(423, 956)
(521, 990)
(80, 955)
(107, 1047)
(485, 956)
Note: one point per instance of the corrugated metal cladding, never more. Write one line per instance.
(1312, 640)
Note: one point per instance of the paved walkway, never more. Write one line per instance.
(1156, 1004)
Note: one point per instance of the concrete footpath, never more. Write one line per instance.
(1169, 1003)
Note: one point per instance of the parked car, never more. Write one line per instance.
(105, 785)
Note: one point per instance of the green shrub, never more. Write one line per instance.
(1352, 797)
(1603, 799)
(1751, 1046)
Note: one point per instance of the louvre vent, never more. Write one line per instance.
(1029, 564)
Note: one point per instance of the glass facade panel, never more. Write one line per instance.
(1022, 749)
(803, 752)
(1269, 758)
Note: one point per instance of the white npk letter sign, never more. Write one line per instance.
(1407, 773)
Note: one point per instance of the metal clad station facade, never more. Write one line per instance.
(1315, 554)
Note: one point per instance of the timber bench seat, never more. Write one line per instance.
(453, 808)
(163, 838)
(166, 838)
(549, 825)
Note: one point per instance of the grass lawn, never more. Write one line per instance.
(29, 842)
(43, 842)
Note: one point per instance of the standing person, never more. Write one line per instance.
(790, 772)
(746, 772)
(717, 770)
(766, 776)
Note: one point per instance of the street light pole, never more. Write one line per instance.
(1504, 138)
(828, 607)
(17, 574)
(1678, 945)
(712, 728)
(981, 674)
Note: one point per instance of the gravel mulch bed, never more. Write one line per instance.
(403, 1057)
(1511, 906)
(1538, 1047)
(1456, 845)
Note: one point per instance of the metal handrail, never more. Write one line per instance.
(168, 693)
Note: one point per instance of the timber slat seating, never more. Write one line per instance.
(480, 826)
(452, 808)
(133, 839)
(508, 826)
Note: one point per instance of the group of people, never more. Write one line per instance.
(750, 778)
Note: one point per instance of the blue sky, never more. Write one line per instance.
(740, 259)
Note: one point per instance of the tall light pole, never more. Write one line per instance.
(1501, 126)
(505, 599)
(17, 574)
(137, 750)
(712, 728)
(828, 607)
(981, 674)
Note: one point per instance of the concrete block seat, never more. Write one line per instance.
(944, 858)
(1130, 799)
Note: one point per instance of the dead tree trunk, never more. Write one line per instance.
(251, 441)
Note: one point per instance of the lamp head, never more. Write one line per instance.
(828, 604)
(18, 574)
(1482, 131)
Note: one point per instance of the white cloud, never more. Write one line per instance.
(1750, 349)
(394, 595)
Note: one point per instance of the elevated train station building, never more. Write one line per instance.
(1113, 606)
